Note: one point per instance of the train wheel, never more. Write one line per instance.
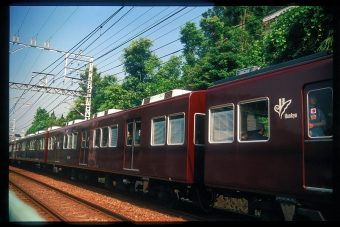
(271, 211)
(168, 197)
(206, 199)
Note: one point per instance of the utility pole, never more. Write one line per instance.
(11, 135)
(68, 71)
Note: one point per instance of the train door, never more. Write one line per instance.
(199, 135)
(85, 137)
(132, 145)
(58, 147)
(36, 148)
(318, 136)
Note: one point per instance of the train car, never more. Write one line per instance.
(260, 142)
(31, 149)
(265, 136)
(156, 148)
(12, 148)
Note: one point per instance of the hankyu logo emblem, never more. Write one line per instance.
(283, 105)
(313, 110)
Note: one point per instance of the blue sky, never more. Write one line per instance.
(74, 29)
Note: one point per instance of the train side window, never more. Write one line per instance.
(221, 124)
(320, 112)
(199, 129)
(53, 142)
(138, 132)
(176, 129)
(65, 141)
(158, 129)
(113, 137)
(104, 138)
(74, 140)
(85, 138)
(253, 120)
(96, 137)
(129, 133)
(50, 142)
(33, 145)
(43, 143)
(38, 144)
(69, 141)
(60, 141)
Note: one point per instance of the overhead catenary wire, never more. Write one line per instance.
(154, 50)
(103, 23)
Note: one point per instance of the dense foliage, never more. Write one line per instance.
(229, 38)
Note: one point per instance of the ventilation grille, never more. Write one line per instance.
(168, 94)
(164, 95)
(146, 101)
(105, 112)
(74, 121)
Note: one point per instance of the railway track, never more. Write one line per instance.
(185, 210)
(60, 205)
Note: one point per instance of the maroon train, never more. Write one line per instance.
(197, 145)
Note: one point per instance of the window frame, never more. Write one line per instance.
(210, 122)
(74, 140)
(152, 142)
(110, 136)
(239, 131)
(169, 135)
(95, 138)
(102, 136)
(307, 111)
(85, 138)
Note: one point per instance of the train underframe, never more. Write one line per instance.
(169, 194)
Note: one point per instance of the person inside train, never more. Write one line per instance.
(128, 139)
(258, 135)
(245, 135)
(316, 118)
(138, 136)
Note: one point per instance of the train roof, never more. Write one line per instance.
(277, 67)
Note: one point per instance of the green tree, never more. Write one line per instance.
(298, 32)
(228, 44)
(193, 40)
(61, 121)
(52, 121)
(40, 121)
(99, 85)
(139, 61)
(141, 67)
(115, 97)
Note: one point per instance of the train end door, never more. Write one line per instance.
(318, 137)
(84, 147)
(132, 151)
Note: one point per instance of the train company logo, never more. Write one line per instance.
(281, 108)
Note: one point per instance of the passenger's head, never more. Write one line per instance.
(312, 99)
